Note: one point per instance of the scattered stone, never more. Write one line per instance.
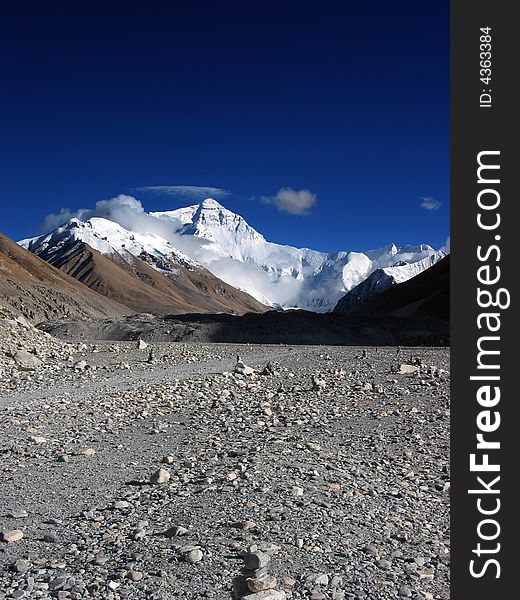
(21, 565)
(38, 439)
(266, 595)
(268, 370)
(405, 369)
(175, 531)
(141, 345)
(18, 514)
(318, 384)
(12, 535)
(256, 560)
(253, 465)
(243, 369)
(244, 525)
(332, 486)
(194, 556)
(261, 583)
(160, 476)
(57, 584)
(25, 360)
(87, 452)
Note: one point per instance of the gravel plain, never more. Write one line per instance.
(173, 470)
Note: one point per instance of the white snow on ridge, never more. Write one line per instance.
(381, 280)
(289, 277)
(402, 273)
(210, 235)
(107, 237)
(210, 221)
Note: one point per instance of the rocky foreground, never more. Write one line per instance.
(134, 470)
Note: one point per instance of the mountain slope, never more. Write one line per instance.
(143, 272)
(383, 279)
(208, 238)
(424, 296)
(31, 287)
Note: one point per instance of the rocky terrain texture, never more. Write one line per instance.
(137, 275)
(172, 470)
(31, 287)
(135, 283)
(293, 327)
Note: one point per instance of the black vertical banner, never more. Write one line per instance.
(485, 256)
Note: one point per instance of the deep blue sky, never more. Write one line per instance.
(348, 101)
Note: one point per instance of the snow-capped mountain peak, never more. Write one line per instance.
(107, 237)
(211, 221)
(222, 241)
(273, 273)
(211, 203)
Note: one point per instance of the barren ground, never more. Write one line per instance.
(342, 481)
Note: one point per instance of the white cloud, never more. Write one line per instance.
(429, 203)
(446, 247)
(295, 202)
(195, 192)
(55, 219)
(263, 286)
(123, 209)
